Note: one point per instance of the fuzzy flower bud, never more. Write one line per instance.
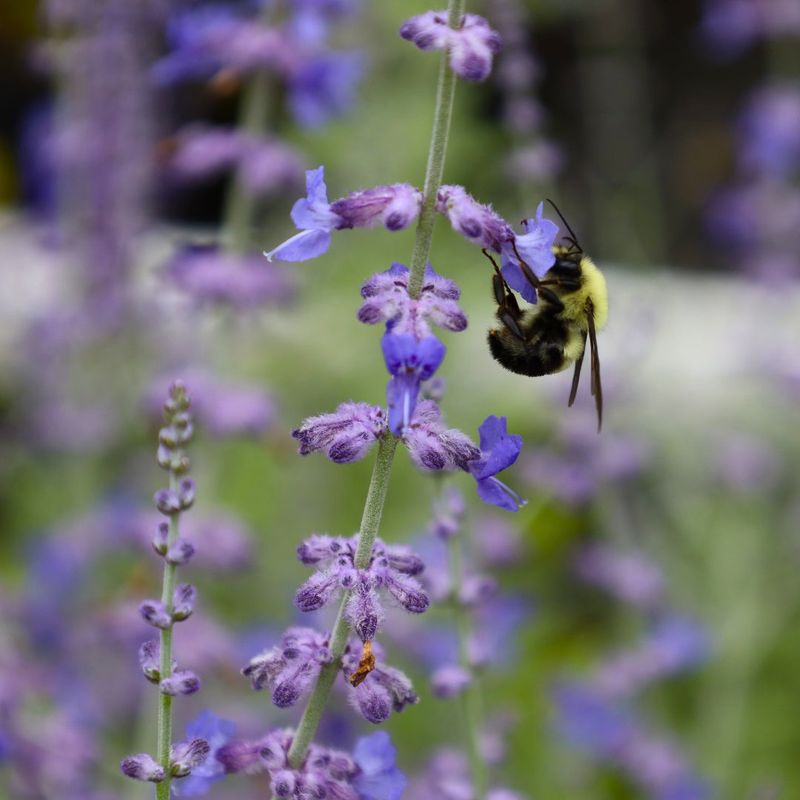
(450, 680)
(142, 767)
(183, 601)
(290, 667)
(180, 682)
(345, 435)
(390, 569)
(472, 45)
(155, 613)
(185, 756)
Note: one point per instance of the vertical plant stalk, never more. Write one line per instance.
(472, 701)
(379, 483)
(370, 523)
(254, 118)
(164, 745)
(445, 93)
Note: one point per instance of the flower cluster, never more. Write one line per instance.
(396, 207)
(391, 568)
(471, 46)
(533, 158)
(224, 46)
(596, 714)
(223, 43)
(349, 433)
(325, 772)
(177, 602)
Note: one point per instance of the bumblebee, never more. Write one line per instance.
(549, 336)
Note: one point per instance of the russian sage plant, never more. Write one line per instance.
(359, 573)
(176, 605)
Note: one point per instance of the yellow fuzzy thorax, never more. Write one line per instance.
(593, 286)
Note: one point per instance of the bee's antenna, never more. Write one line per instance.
(572, 237)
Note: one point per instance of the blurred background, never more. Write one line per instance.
(150, 151)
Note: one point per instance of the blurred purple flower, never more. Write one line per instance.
(747, 464)
(324, 86)
(769, 130)
(206, 274)
(267, 165)
(217, 732)
(672, 646)
(222, 409)
(379, 778)
(628, 575)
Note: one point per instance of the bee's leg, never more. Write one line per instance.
(568, 284)
(508, 310)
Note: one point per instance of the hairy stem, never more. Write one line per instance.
(472, 701)
(436, 155)
(379, 483)
(164, 700)
(370, 523)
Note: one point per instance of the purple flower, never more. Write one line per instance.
(210, 277)
(383, 690)
(315, 219)
(482, 226)
(394, 206)
(180, 682)
(379, 778)
(674, 645)
(499, 450)
(186, 756)
(345, 435)
(471, 46)
(432, 446)
(386, 299)
(324, 86)
(217, 732)
(535, 248)
(410, 362)
(478, 223)
(593, 724)
(629, 576)
(450, 680)
(142, 767)
(290, 667)
(324, 772)
(210, 39)
(769, 130)
(224, 408)
(390, 569)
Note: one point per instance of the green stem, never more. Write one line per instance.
(165, 668)
(254, 119)
(472, 700)
(379, 483)
(436, 154)
(370, 523)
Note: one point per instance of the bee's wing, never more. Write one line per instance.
(576, 376)
(597, 388)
